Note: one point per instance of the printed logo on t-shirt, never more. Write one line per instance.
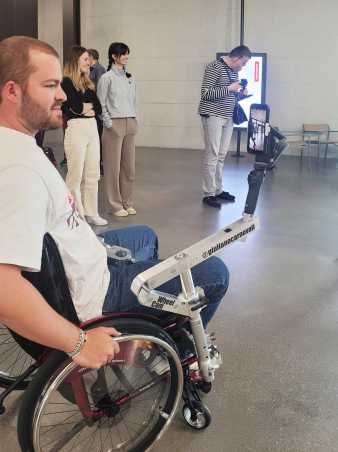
(73, 221)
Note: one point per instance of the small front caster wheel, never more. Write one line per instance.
(198, 418)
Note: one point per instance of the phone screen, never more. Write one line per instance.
(257, 121)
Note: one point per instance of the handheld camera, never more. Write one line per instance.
(267, 144)
(265, 141)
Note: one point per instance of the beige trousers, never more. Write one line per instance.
(118, 155)
(82, 149)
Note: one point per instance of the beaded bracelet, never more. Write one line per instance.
(79, 345)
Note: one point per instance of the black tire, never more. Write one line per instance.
(49, 383)
(13, 360)
(202, 416)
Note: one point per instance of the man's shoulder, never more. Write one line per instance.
(101, 68)
(16, 142)
(216, 64)
(25, 156)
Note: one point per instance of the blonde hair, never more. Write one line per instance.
(80, 80)
(15, 63)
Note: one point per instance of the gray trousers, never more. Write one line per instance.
(217, 137)
(118, 155)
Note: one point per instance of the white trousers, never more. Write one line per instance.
(217, 137)
(82, 149)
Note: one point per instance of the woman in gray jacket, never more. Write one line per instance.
(116, 91)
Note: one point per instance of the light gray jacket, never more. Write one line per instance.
(117, 94)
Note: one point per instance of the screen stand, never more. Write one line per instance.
(238, 154)
(255, 180)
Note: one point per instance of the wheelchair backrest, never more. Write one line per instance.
(51, 282)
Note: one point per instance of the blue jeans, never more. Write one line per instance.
(212, 275)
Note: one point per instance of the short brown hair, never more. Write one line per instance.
(15, 61)
(94, 53)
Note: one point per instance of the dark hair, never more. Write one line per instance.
(118, 49)
(94, 53)
(240, 52)
(15, 59)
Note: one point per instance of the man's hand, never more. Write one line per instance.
(234, 87)
(99, 348)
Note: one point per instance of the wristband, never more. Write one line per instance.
(79, 345)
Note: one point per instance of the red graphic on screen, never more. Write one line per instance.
(256, 77)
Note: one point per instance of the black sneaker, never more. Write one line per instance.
(212, 201)
(226, 196)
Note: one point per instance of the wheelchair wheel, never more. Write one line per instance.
(13, 360)
(199, 417)
(124, 406)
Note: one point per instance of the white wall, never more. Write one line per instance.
(301, 39)
(170, 42)
(50, 29)
(50, 25)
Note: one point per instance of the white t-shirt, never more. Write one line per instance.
(35, 200)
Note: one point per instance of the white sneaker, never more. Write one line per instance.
(121, 213)
(97, 221)
(131, 211)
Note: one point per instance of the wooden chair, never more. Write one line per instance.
(315, 134)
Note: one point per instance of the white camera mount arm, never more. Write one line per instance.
(144, 285)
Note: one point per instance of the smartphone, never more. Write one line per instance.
(245, 96)
(257, 139)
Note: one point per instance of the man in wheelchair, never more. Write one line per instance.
(34, 200)
(107, 394)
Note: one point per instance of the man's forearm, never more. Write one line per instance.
(25, 311)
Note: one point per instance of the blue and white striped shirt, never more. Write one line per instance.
(216, 100)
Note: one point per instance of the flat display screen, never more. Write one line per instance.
(255, 73)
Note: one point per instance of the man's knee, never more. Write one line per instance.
(216, 277)
(141, 240)
(135, 231)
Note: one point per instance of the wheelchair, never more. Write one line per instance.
(129, 403)
(125, 405)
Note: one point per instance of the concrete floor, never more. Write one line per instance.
(277, 327)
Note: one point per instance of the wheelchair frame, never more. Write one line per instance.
(186, 307)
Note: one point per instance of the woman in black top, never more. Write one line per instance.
(82, 145)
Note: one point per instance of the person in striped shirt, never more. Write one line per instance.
(220, 87)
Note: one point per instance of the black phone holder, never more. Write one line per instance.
(267, 144)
